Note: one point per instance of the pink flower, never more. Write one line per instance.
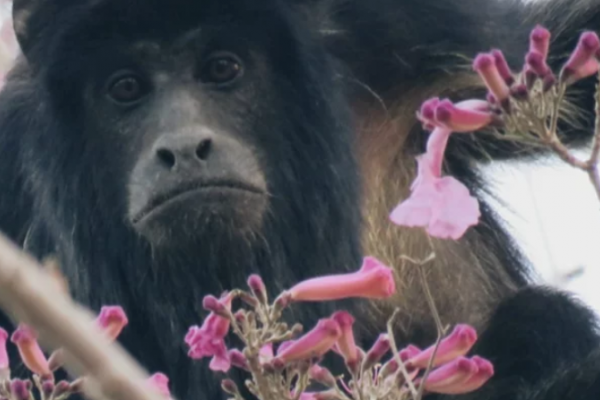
(502, 66)
(380, 347)
(20, 389)
(321, 375)
(112, 320)
(451, 375)
(30, 351)
(409, 352)
(587, 46)
(314, 343)
(258, 288)
(485, 65)
(238, 359)
(485, 370)
(209, 339)
(160, 382)
(464, 116)
(442, 205)
(539, 40)
(346, 346)
(265, 353)
(537, 63)
(457, 344)
(374, 280)
(4, 364)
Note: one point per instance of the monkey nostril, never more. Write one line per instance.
(166, 156)
(203, 149)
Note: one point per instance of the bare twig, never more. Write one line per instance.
(441, 331)
(390, 330)
(26, 295)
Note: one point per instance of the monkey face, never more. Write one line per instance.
(197, 120)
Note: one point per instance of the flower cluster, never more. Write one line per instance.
(285, 364)
(525, 105)
(111, 321)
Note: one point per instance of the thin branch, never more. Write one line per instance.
(441, 331)
(390, 330)
(25, 294)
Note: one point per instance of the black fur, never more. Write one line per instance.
(66, 158)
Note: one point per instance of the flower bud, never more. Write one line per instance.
(381, 346)
(258, 288)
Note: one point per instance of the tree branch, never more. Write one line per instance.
(27, 294)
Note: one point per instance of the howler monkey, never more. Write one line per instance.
(165, 149)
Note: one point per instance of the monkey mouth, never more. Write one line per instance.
(219, 189)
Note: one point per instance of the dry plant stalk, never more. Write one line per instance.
(25, 293)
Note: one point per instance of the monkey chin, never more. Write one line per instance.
(207, 214)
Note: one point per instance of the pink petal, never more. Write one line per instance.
(346, 344)
(457, 344)
(502, 66)
(587, 45)
(375, 353)
(266, 352)
(537, 63)
(589, 68)
(4, 363)
(430, 164)
(477, 380)
(220, 362)
(160, 382)
(539, 40)
(238, 359)
(29, 349)
(321, 375)
(455, 213)
(461, 119)
(314, 343)
(447, 376)
(485, 66)
(370, 282)
(112, 320)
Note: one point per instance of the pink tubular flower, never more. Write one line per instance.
(485, 66)
(465, 116)
(314, 343)
(257, 286)
(587, 46)
(112, 320)
(238, 359)
(20, 389)
(539, 40)
(346, 345)
(30, 351)
(457, 344)
(502, 66)
(409, 352)
(537, 64)
(374, 280)
(4, 364)
(375, 353)
(485, 370)
(321, 375)
(160, 382)
(209, 339)
(589, 68)
(451, 375)
(441, 204)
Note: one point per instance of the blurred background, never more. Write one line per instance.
(551, 208)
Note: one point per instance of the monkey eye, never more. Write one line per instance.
(126, 88)
(221, 68)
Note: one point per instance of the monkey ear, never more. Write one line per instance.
(26, 21)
